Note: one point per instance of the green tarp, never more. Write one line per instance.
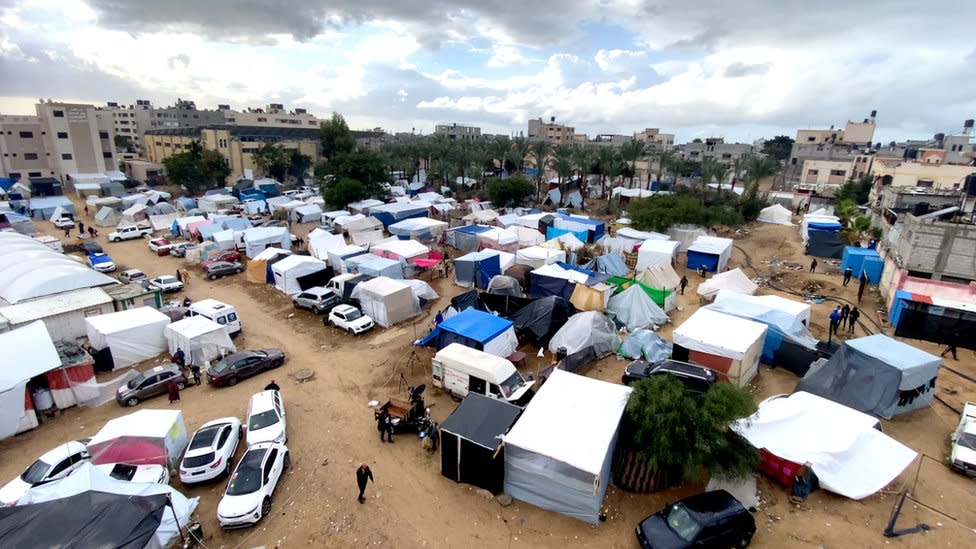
(656, 294)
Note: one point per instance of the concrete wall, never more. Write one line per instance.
(939, 248)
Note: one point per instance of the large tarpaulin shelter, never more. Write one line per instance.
(610, 263)
(647, 344)
(813, 222)
(537, 256)
(933, 318)
(685, 235)
(633, 309)
(728, 345)
(400, 249)
(364, 231)
(594, 228)
(30, 269)
(183, 224)
(876, 375)
(825, 244)
(309, 213)
(108, 217)
(654, 252)
(200, 338)
(558, 454)
(585, 289)
(132, 335)
(541, 318)
(257, 267)
(476, 329)
(711, 251)
(363, 206)
(499, 239)
(143, 437)
(477, 268)
(162, 222)
(214, 202)
(290, 269)
(24, 353)
(848, 454)
(338, 257)
(862, 260)
(380, 266)
(776, 214)
(43, 208)
(389, 214)
(259, 238)
(660, 276)
(465, 238)
(386, 301)
(585, 337)
(471, 441)
(734, 281)
(88, 519)
(799, 309)
(89, 479)
(423, 229)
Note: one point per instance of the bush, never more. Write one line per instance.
(751, 205)
(339, 193)
(662, 211)
(510, 192)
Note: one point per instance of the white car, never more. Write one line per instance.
(132, 275)
(63, 222)
(129, 232)
(349, 319)
(248, 494)
(211, 450)
(963, 455)
(266, 421)
(54, 465)
(166, 284)
(142, 474)
(101, 262)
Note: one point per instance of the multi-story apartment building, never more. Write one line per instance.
(831, 144)
(557, 134)
(458, 132)
(274, 115)
(821, 173)
(713, 147)
(655, 140)
(183, 114)
(22, 144)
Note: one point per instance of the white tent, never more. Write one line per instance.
(842, 446)
(537, 256)
(107, 217)
(363, 206)
(421, 289)
(143, 437)
(224, 239)
(565, 241)
(259, 238)
(635, 309)
(400, 249)
(133, 335)
(734, 281)
(338, 257)
(661, 275)
(728, 345)
(321, 242)
(24, 353)
(634, 234)
(776, 214)
(306, 214)
(288, 270)
(215, 202)
(200, 338)
(799, 309)
(163, 222)
(386, 301)
(87, 478)
(134, 214)
(685, 235)
(559, 452)
(527, 237)
(531, 221)
(586, 329)
(654, 252)
(365, 231)
(711, 251)
(481, 217)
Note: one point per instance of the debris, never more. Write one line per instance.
(504, 500)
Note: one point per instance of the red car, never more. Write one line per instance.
(229, 256)
(160, 246)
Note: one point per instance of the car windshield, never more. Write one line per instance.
(511, 384)
(967, 440)
(204, 437)
(35, 473)
(247, 477)
(261, 420)
(353, 314)
(683, 524)
(136, 381)
(220, 367)
(199, 461)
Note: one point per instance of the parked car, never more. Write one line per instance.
(228, 256)
(248, 495)
(53, 465)
(166, 284)
(711, 519)
(266, 420)
(963, 455)
(132, 275)
(63, 222)
(317, 299)
(129, 232)
(350, 319)
(145, 474)
(211, 450)
(152, 382)
(243, 364)
(695, 378)
(218, 269)
(179, 249)
(91, 247)
(160, 246)
(101, 262)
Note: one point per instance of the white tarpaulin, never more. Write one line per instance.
(402, 249)
(734, 281)
(849, 456)
(386, 301)
(654, 252)
(306, 214)
(24, 353)
(776, 214)
(259, 238)
(799, 309)
(635, 309)
(133, 335)
(660, 276)
(200, 338)
(729, 345)
(586, 329)
(320, 243)
(87, 478)
(685, 235)
(537, 256)
(163, 222)
(558, 454)
(288, 270)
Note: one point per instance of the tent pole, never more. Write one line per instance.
(176, 518)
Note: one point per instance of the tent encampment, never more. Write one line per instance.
(423, 229)
(876, 375)
(558, 454)
(476, 269)
(386, 301)
(776, 214)
(364, 231)
(309, 213)
(395, 248)
(542, 318)
(200, 338)
(134, 214)
(471, 441)
(633, 309)
(380, 266)
(321, 242)
(257, 266)
(537, 256)
(465, 238)
(143, 437)
(132, 335)
(585, 337)
(389, 214)
(728, 345)
(214, 202)
(476, 329)
(24, 353)
(655, 252)
(711, 251)
(259, 238)
(287, 272)
(734, 281)
(337, 257)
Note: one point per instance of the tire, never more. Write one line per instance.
(238, 271)
(132, 401)
(116, 239)
(231, 382)
(744, 541)
(227, 469)
(287, 463)
(265, 507)
(212, 277)
(181, 385)
(352, 333)
(277, 362)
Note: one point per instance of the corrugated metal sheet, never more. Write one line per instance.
(56, 304)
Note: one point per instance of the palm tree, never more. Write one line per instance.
(712, 169)
(501, 150)
(606, 157)
(540, 153)
(666, 162)
(519, 152)
(631, 151)
(739, 166)
(583, 158)
(562, 162)
(757, 168)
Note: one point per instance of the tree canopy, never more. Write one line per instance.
(856, 190)
(778, 147)
(336, 136)
(661, 211)
(511, 192)
(343, 191)
(197, 169)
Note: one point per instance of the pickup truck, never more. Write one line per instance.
(128, 233)
(963, 456)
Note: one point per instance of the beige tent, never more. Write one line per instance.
(257, 266)
(107, 217)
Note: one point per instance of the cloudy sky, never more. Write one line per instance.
(741, 69)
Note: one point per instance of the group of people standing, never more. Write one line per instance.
(843, 317)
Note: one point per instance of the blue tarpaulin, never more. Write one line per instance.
(552, 232)
(697, 259)
(612, 264)
(863, 260)
(470, 327)
(597, 227)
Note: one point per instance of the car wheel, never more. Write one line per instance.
(231, 382)
(744, 542)
(181, 385)
(351, 332)
(287, 463)
(226, 470)
(212, 277)
(266, 507)
(277, 362)
(326, 322)
(238, 271)
(116, 239)
(132, 401)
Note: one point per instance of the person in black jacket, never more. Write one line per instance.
(363, 474)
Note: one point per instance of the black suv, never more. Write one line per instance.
(711, 519)
(696, 379)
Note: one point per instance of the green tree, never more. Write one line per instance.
(519, 152)
(500, 149)
(661, 211)
(857, 190)
(511, 192)
(711, 170)
(757, 169)
(298, 163)
(343, 191)
(858, 230)
(666, 162)
(778, 147)
(197, 169)
(606, 159)
(272, 160)
(562, 162)
(679, 436)
(540, 154)
(336, 136)
(631, 152)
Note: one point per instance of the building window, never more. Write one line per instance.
(811, 139)
(159, 143)
(26, 135)
(58, 114)
(62, 135)
(66, 156)
(841, 173)
(30, 156)
(103, 135)
(924, 183)
(812, 172)
(261, 119)
(34, 174)
(107, 155)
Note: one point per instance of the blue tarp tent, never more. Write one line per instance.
(389, 214)
(477, 268)
(6, 183)
(476, 329)
(863, 260)
(595, 227)
(380, 266)
(208, 230)
(553, 232)
(42, 208)
(612, 264)
(466, 238)
(185, 203)
(236, 224)
(711, 251)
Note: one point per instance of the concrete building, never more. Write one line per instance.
(557, 134)
(655, 140)
(458, 132)
(894, 201)
(823, 173)
(937, 250)
(931, 175)
(713, 147)
(274, 114)
(832, 144)
(24, 153)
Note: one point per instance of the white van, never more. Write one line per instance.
(459, 370)
(219, 312)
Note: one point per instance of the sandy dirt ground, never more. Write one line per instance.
(331, 431)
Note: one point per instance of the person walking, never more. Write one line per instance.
(438, 318)
(861, 283)
(844, 312)
(834, 321)
(848, 272)
(67, 232)
(92, 232)
(81, 228)
(852, 319)
(86, 209)
(195, 369)
(363, 475)
(179, 358)
(174, 391)
(702, 271)
(682, 284)
(952, 341)
(813, 265)
(384, 424)
(272, 386)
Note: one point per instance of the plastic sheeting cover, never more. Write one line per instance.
(586, 329)
(634, 309)
(647, 344)
(734, 281)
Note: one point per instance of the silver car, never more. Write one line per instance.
(152, 382)
(317, 299)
